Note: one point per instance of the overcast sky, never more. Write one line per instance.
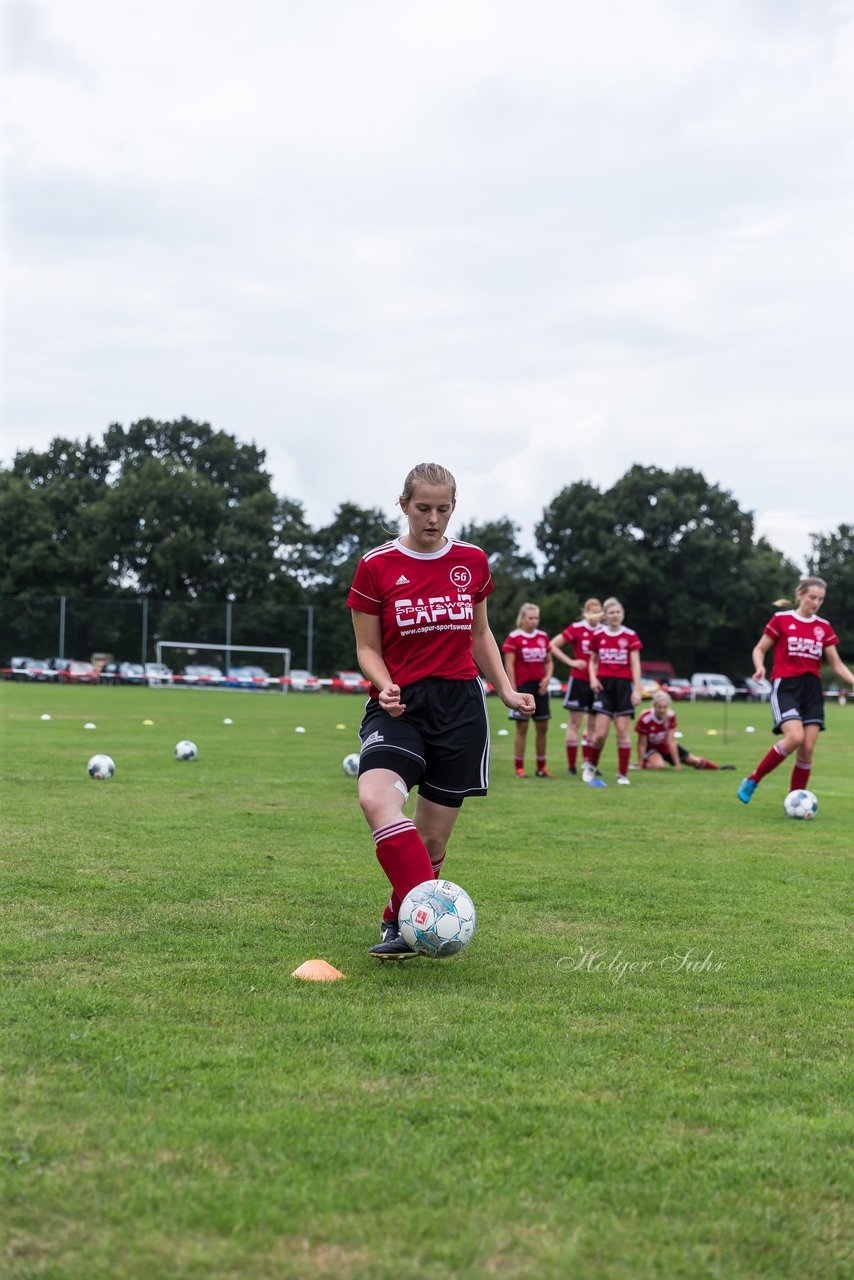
(535, 241)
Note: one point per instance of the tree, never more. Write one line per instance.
(514, 572)
(677, 551)
(832, 558)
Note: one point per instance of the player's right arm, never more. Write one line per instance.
(510, 667)
(369, 654)
(556, 645)
(642, 744)
(673, 749)
(595, 683)
(762, 646)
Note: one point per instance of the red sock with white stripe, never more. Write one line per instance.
(585, 749)
(801, 774)
(623, 757)
(772, 760)
(595, 753)
(404, 858)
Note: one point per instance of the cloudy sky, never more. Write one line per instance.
(535, 241)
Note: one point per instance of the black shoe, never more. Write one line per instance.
(726, 766)
(573, 773)
(394, 949)
(389, 930)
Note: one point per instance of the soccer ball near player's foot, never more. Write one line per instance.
(350, 764)
(186, 750)
(437, 918)
(101, 768)
(800, 804)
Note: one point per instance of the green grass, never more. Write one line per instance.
(175, 1104)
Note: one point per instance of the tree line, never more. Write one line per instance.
(185, 517)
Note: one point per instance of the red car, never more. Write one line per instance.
(76, 672)
(349, 682)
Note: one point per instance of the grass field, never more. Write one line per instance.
(175, 1104)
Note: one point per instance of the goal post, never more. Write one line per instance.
(276, 669)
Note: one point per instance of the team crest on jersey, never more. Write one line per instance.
(460, 577)
(623, 642)
(818, 632)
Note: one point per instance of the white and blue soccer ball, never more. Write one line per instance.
(800, 804)
(437, 918)
(350, 764)
(186, 750)
(101, 768)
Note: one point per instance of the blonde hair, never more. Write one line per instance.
(662, 696)
(613, 600)
(429, 473)
(522, 608)
(803, 585)
(592, 607)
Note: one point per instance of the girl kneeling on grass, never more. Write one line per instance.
(800, 639)
(657, 745)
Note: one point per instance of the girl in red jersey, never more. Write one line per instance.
(579, 695)
(615, 680)
(800, 639)
(419, 613)
(529, 665)
(657, 745)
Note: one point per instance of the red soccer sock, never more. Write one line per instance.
(403, 857)
(571, 754)
(518, 762)
(769, 762)
(703, 763)
(437, 867)
(801, 774)
(595, 753)
(585, 749)
(541, 762)
(623, 757)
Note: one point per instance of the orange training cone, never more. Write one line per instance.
(317, 971)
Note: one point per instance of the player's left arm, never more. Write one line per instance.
(510, 667)
(634, 659)
(488, 658)
(548, 671)
(838, 667)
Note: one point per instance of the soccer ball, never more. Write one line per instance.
(800, 804)
(437, 918)
(185, 750)
(350, 765)
(101, 768)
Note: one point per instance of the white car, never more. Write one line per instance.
(158, 673)
(303, 681)
(710, 684)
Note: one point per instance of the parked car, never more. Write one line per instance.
(123, 673)
(74, 671)
(679, 688)
(349, 682)
(158, 673)
(649, 687)
(302, 681)
(247, 678)
(201, 674)
(711, 684)
(753, 690)
(556, 689)
(31, 669)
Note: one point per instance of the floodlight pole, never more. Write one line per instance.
(144, 629)
(309, 644)
(61, 626)
(228, 635)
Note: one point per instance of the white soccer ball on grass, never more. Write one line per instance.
(101, 768)
(437, 918)
(186, 750)
(800, 804)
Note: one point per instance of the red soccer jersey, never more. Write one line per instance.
(654, 730)
(425, 604)
(798, 643)
(531, 649)
(614, 648)
(579, 635)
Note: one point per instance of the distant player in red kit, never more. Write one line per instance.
(419, 613)
(615, 680)
(800, 639)
(657, 745)
(579, 695)
(529, 665)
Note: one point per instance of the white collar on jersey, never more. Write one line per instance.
(425, 555)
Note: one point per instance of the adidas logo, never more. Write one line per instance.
(376, 736)
(402, 581)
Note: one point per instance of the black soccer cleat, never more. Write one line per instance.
(389, 930)
(393, 949)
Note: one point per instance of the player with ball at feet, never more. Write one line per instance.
(418, 604)
(800, 639)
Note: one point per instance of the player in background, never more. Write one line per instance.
(657, 744)
(529, 665)
(800, 638)
(579, 696)
(418, 604)
(615, 680)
